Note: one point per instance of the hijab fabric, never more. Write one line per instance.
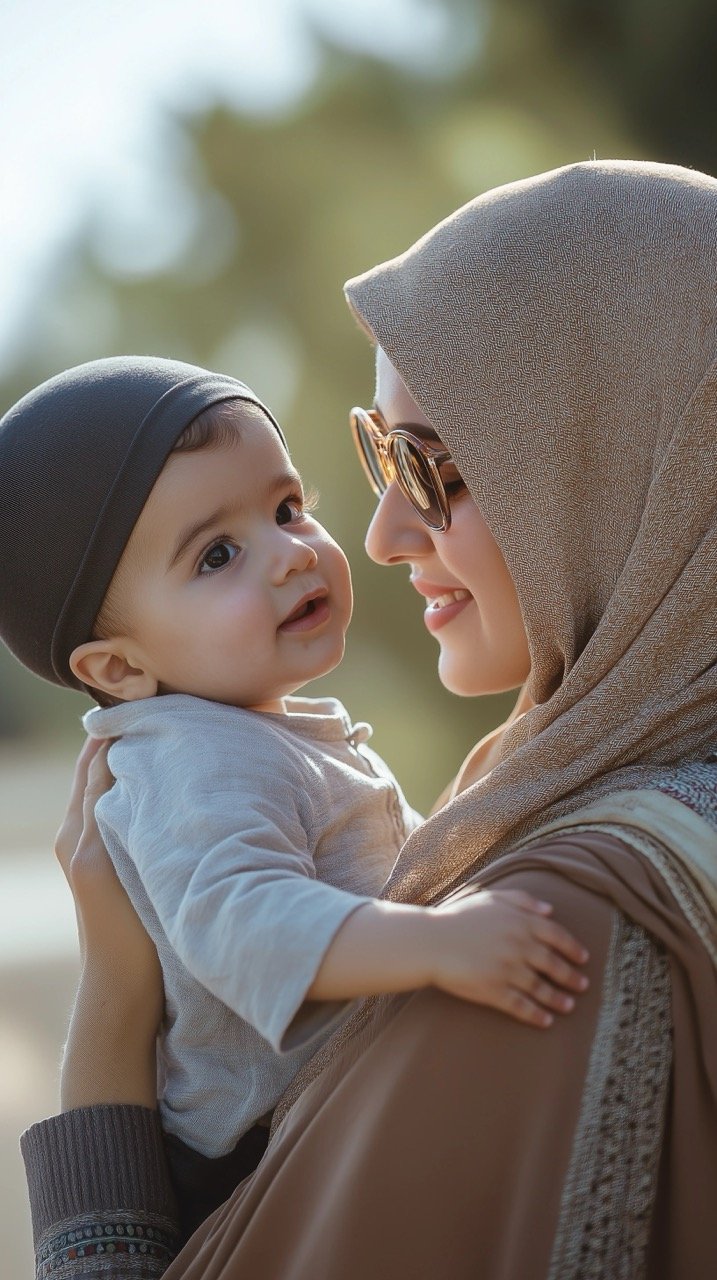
(560, 333)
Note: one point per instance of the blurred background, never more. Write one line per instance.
(197, 180)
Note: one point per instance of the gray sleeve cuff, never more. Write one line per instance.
(96, 1161)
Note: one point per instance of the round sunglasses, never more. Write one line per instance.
(397, 454)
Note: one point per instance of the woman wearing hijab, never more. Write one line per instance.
(544, 428)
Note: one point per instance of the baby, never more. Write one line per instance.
(158, 551)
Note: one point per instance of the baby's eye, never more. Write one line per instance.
(218, 556)
(288, 510)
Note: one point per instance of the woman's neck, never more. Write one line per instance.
(486, 753)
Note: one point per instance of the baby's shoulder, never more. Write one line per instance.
(200, 743)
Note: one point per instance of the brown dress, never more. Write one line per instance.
(449, 1141)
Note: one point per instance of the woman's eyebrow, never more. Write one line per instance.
(422, 430)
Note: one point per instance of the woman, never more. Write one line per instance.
(543, 444)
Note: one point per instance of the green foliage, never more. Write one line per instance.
(285, 208)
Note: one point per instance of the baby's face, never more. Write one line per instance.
(231, 590)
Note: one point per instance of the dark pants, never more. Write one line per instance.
(202, 1183)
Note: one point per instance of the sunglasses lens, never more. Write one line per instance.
(416, 479)
(369, 454)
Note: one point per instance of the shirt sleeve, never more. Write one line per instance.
(223, 852)
(100, 1195)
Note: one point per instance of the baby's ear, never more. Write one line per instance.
(103, 665)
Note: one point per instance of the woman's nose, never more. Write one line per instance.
(396, 532)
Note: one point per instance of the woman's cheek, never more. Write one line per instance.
(485, 649)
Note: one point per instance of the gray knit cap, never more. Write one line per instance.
(78, 458)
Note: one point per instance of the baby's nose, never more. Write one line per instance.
(295, 556)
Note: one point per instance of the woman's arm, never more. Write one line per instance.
(99, 1188)
(110, 1051)
(100, 1195)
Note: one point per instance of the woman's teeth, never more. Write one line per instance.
(449, 597)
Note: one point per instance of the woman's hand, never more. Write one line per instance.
(498, 948)
(78, 844)
(110, 1050)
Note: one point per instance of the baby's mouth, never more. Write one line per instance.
(301, 611)
(310, 611)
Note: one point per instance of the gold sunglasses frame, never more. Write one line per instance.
(382, 437)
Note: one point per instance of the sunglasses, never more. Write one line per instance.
(388, 455)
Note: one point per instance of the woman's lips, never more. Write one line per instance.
(310, 613)
(444, 606)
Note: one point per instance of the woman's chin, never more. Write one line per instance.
(458, 678)
(465, 681)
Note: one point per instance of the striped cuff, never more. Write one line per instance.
(100, 1162)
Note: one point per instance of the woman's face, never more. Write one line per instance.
(471, 603)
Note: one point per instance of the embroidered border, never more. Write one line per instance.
(693, 906)
(610, 1186)
(95, 1246)
(694, 785)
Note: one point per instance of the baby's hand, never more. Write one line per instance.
(498, 948)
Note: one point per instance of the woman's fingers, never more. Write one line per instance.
(99, 780)
(90, 865)
(70, 831)
(78, 844)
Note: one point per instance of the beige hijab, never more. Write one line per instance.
(561, 335)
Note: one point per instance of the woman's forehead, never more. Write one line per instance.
(393, 399)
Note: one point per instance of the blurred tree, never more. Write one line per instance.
(656, 59)
(279, 210)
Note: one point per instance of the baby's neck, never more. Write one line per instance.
(275, 707)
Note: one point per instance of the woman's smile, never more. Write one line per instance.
(444, 603)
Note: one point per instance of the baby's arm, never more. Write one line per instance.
(494, 948)
(226, 861)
